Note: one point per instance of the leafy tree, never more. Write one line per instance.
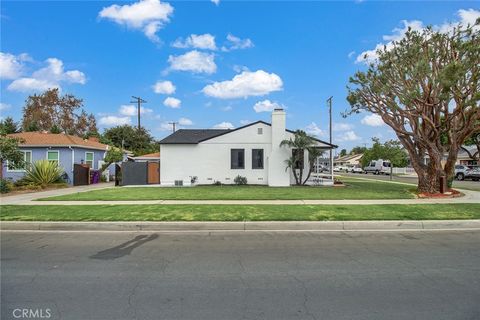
(55, 129)
(425, 86)
(9, 152)
(301, 142)
(391, 150)
(358, 150)
(343, 152)
(113, 155)
(8, 125)
(49, 109)
(139, 141)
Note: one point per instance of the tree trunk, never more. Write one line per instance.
(295, 175)
(428, 175)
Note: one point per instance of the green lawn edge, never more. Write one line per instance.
(354, 190)
(239, 212)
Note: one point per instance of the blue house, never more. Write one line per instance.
(65, 149)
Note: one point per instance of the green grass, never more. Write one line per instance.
(239, 212)
(355, 189)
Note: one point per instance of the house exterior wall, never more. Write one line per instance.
(210, 160)
(65, 160)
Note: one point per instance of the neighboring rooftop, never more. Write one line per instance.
(154, 155)
(47, 139)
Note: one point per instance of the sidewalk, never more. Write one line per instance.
(245, 226)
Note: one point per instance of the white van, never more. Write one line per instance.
(378, 167)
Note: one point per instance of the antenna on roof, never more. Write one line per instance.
(173, 123)
(139, 102)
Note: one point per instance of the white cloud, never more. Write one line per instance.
(50, 76)
(185, 122)
(4, 106)
(164, 87)
(12, 66)
(194, 61)
(172, 102)
(245, 122)
(313, 129)
(468, 16)
(227, 108)
(149, 16)
(341, 126)
(351, 54)
(266, 106)
(216, 2)
(348, 136)
(199, 41)
(373, 120)
(110, 121)
(131, 110)
(245, 84)
(224, 125)
(235, 43)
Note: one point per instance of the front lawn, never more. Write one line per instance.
(354, 189)
(239, 212)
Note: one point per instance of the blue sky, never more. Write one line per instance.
(229, 62)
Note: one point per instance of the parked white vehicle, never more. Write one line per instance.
(340, 168)
(355, 169)
(378, 167)
(461, 171)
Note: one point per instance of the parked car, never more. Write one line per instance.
(378, 167)
(460, 171)
(355, 169)
(473, 174)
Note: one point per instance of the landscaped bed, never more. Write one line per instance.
(354, 189)
(239, 212)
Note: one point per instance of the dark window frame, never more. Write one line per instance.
(239, 162)
(261, 164)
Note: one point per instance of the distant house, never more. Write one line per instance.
(349, 160)
(64, 149)
(219, 155)
(150, 157)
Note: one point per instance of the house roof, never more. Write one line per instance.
(349, 157)
(155, 155)
(47, 139)
(195, 136)
(192, 136)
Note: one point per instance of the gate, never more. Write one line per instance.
(134, 173)
(153, 173)
(81, 175)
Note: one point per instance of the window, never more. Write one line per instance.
(260, 130)
(27, 161)
(237, 158)
(89, 159)
(257, 158)
(53, 156)
(298, 154)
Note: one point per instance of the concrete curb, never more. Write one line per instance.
(396, 225)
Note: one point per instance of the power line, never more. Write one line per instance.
(139, 102)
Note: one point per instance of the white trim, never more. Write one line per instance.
(24, 159)
(93, 159)
(58, 157)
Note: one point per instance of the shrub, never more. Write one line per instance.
(217, 183)
(5, 186)
(43, 172)
(239, 180)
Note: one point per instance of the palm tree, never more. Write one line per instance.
(313, 154)
(301, 141)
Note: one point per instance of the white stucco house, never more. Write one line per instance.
(252, 151)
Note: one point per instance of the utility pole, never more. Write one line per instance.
(139, 102)
(173, 123)
(329, 101)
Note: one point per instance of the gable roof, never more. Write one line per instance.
(47, 139)
(195, 136)
(192, 136)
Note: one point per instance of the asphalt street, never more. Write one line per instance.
(466, 184)
(260, 275)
